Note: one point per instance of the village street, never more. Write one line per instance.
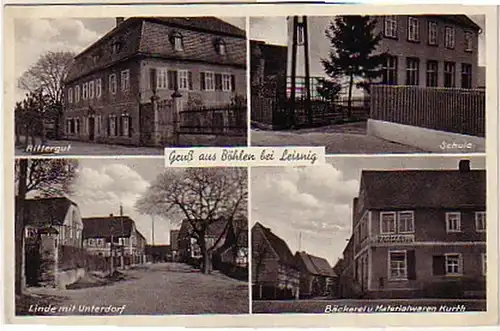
(338, 139)
(157, 289)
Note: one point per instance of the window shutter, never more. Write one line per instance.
(233, 83)
(438, 265)
(190, 80)
(410, 260)
(172, 80)
(218, 81)
(202, 81)
(152, 79)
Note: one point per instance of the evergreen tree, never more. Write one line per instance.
(353, 42)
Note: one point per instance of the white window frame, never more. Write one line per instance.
(162, 78)
(112, 83)
(125, 124)
(209, 81)
(404, 276)
(468, 36)
(178, 43)
(432, 33)
(98, 88)
(448, 222)
(459, 264)
(226, 82)
(390, 26)
(449, 37)
(77, 93)
(221, 47)
(91, 90)
(70, 95)
(85, 91)
(413, 66)
(183, 80)
(393, 213)
(478, 217)
(484, 264)
(412, 213)
(112, 126)
(125, 80)
(413, 28)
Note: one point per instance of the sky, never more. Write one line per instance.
(314, 203)
(34, 37)
(273, 30)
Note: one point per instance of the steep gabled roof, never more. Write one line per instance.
(206, 24)
(278, 245)
(316, 265)
(47, 211)
(424, 189)
(104, 227)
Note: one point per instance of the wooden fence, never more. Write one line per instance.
(444, 109)
(228, 120)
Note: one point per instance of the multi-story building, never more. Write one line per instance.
(114, 236)
(275, 274)
(418, 233)
(111, 85)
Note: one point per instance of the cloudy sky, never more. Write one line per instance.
(36, 36)
(315, 203)
(102, 184)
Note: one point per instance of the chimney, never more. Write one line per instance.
(121, 210)
(464, 165)
(119, 20)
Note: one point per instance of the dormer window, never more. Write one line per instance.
(116, 47)
(220, 47)
(177, 42)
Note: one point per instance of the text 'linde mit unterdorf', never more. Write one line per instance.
(244, 156)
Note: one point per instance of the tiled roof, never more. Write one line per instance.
(278, 245)
(103, 227)
(47, 211)
(316, 265)
(424, 189)
(463, 20)
(215, 229)
(150, 37)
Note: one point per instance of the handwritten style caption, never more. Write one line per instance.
(244, 156)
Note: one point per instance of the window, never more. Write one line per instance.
(390, 26)
(90, 242)
(220, 47)
(125, 78)
(91, 90)
(177, 42)
(70, 95)
(468, 41)
(484, 260)
(480, 217)
(112, 125)
(432, 33)
(161, 79)
(98, 88)
(112, 83)
(77, 93)
(77, 126)
(449, 74)
(226, 82)
(453, 222)
(466, 75)
(406, 222)
(125, 125)
(390, 71)
(449, 37)
(183, 79)
(453, 264)
(397, 265)
(208, 81)
(412, 71)
(387, 222)
(85, 91)
(413, 29)
(432, 73)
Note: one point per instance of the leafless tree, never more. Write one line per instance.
(201, 196)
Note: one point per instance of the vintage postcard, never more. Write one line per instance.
(243, 165)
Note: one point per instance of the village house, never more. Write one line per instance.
(114, 88)
(316, 275)
(115, 236)
(275, 274)
(158, 253)
(418, 233)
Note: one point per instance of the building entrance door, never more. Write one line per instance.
(91, 128)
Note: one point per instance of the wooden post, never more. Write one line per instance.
(176, 117)
(293, 77)
(306, 62)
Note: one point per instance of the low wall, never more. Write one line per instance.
(67, 277)
(427, 140)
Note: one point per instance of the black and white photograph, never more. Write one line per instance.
(129, 86)
(370, 235)
(129, 237)
(369, 84)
